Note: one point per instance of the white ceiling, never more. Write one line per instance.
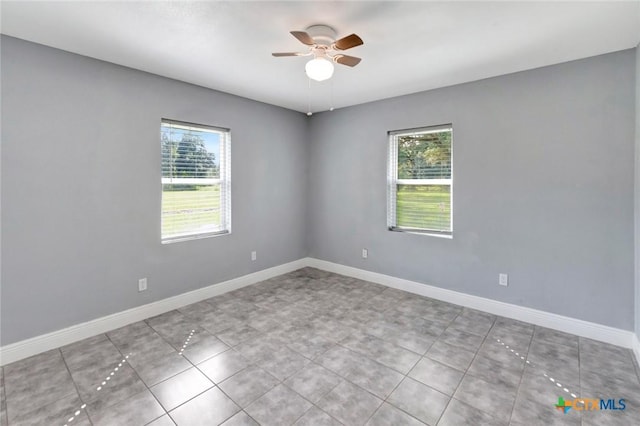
(409, 46)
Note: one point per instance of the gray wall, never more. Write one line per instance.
(81, 189)
(543, 188)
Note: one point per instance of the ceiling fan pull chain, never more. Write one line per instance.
(309, 113)
(331, 95)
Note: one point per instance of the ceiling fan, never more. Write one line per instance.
(325, 49)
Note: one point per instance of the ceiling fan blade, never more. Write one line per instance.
(348, 42)
(351, 61)
(303, 37)
(279, 54)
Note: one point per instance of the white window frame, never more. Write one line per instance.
(224, 181)
(393, 181)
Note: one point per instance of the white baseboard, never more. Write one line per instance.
(38, 344)
(26, 348)
(578, 327)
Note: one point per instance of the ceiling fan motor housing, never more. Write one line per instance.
(322, 34)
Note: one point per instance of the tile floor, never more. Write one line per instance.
(315, 348)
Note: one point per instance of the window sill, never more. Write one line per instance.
(194, 237)
(427, 233)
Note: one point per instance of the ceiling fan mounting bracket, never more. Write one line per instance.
(323, 35)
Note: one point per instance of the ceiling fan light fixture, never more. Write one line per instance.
(319, 69)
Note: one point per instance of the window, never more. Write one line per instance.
(419, 180)
(196, 186)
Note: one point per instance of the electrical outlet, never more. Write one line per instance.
(503, 279)
(142, 284)
(365, 253)
(254, 255)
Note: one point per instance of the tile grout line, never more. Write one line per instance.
(3, 398)
(518, 389)
(636, 364)
(580, 373)
(75, 385)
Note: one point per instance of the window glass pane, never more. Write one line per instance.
(190, 209)
(424, 207)
(425, 155)
(190, 153)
